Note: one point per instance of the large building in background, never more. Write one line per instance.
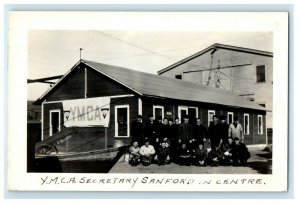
(246, 72)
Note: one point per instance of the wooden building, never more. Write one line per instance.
(246, 72)
(101, 101)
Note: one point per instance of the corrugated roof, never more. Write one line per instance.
(216, 46)
(159, 86)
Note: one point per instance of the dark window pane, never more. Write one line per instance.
(178, 77)
(122, 122)
(260, 74)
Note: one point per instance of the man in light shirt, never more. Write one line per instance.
(236, 130)
(147, 152)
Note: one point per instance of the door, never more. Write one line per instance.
(182, 112)
(54, 122)
(192, 112)
(122, 121)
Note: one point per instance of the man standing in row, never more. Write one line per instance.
(185, 132)
(215, 132)
(151, 129)
(236, 130)
(137, 131)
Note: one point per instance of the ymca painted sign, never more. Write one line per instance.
(87, 112)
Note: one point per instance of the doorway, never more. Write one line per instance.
(122, 121)
(54, 122)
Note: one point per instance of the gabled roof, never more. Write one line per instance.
(216, 46)
(146, 84)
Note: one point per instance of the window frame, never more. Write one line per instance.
(230, 113)
(257, 73)
(50, 121)
(248, 127)
(260, 128)
(208, 113)
(187, 110)
(116, 120)
(159, 107)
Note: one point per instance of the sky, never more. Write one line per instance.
(54, 52)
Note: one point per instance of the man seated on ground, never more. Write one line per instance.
(163, 154)
(147, 152)
(215, 157)
(228, 151)
(200, 155)
(185, 155)
(134, 155)
(241, 153)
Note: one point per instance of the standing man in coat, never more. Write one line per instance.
(236, 130)
(185, 132)
(199, 132)
(151, 129)
(214, 133)
(137, 131)
(224, 129)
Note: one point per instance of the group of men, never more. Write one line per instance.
(185, 143)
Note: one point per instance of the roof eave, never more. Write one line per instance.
(216, 45)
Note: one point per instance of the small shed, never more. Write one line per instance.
(105, 100)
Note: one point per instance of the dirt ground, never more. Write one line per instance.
(259, 163)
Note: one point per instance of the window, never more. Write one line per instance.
(122, 121)
(54, 121)
(230, 117)
(260, 73)
(178, 77)
(158, 111)
(246, 124)
(211, 114)
(260, 124)
(191, 112)
(263, 105)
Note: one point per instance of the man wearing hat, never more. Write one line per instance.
(199, 132)
(151, 129)
(224, 129)
(185, 132)
(236, 129)
(214, 133)
(136, 130)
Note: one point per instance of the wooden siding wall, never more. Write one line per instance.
(252, 138)
(99, 85)
(71, 88)
(133, 112)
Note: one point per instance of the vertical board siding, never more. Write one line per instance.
(133, 112)
(71, 88)
(99, 85)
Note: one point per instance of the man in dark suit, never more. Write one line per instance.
(185, 132)
(151, 129)
(214, 133)
(137, 131)
(240, 153)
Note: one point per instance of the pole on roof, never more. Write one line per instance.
(80, 49)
